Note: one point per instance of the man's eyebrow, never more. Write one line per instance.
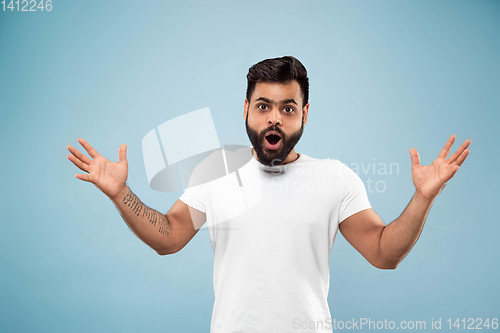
(285, 101)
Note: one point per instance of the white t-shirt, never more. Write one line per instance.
(272, 230)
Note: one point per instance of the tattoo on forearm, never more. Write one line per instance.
(136, 205)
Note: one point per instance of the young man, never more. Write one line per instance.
(273, 225)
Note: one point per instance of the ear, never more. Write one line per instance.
(245, 108)
(305, 111)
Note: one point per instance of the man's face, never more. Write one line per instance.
(274, 119)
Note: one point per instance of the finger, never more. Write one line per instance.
(122, 153)
(82, 166)
(462, 157)
(78, 155)
(415, 159)
(87, 178)
(459, 151)
(92, 152)
(446, 149)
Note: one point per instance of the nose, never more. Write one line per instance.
(274, 118)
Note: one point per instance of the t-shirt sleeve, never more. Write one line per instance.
(355, 198)
(195, 196)
(195, 193)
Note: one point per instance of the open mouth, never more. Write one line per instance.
(273, 137)
(273, 140)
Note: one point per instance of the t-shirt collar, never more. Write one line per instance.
(276, 168)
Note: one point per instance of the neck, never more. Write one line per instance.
(292, 156)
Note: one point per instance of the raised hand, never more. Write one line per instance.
(429, 180)
(109, 177)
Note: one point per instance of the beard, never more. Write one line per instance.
(268, 156)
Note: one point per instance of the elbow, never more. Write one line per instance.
(384, 260)
(171, 250)
(386, 264)
(164, 252)
(387, 267)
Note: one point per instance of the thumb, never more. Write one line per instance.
(415, 159)
(122, 153)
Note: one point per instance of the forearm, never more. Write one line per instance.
(151, 226)
(399, 237)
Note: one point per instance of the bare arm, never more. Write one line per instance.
(399, 237)
(165, 233)
(386, 246)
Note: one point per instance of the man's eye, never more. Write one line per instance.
(288, 109)
(262, 106)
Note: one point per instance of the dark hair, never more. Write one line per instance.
(280, 70)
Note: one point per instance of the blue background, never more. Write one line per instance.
(385, 76)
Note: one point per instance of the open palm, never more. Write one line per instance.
(109, 177)
(429, 180)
